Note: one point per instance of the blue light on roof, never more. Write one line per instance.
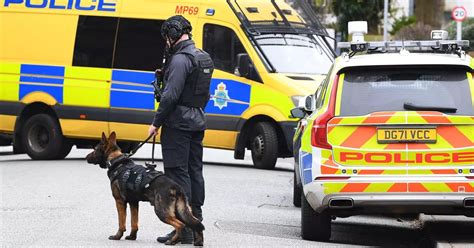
(210, 12)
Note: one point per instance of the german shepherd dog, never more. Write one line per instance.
(167, 197)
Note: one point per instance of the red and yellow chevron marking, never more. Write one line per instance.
(455, 134)
(383, 187)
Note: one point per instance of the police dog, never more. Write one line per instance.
(167, 197)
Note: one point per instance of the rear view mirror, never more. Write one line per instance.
(243, 61)
(297, 113)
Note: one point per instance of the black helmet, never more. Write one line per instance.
(175, 27)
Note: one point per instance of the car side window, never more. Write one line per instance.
(321, 92)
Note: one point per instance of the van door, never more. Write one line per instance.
(230, 91)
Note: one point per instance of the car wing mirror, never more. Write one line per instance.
(309, 103)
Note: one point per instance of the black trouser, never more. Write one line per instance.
(182, 160)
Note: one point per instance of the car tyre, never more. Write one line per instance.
(264, 146)
(296, 192)
(314, 226)
(43, 140)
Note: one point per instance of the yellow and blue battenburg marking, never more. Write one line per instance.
(49, 79)
(229, 97)
(306, 162)
(131, 89)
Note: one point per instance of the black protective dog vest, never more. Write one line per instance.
(196, 89)
(133, 178)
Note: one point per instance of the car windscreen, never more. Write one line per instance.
(368, 90)
(290, 53)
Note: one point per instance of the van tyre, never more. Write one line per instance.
(264, 146)
(296, 192)
(314, 226)
(42, 138)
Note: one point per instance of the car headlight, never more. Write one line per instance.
(296, 100)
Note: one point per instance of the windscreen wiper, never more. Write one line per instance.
(411, 106)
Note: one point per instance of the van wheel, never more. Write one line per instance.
(296, 192)
(43, 139)
(314, 226)
(264, 146)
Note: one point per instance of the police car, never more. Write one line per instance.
(390, 131)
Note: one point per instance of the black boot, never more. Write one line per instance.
(186, 236)
(165, 238)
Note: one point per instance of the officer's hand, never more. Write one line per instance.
(152, 130)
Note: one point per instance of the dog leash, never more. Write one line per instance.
(152, 165)
(134, 150)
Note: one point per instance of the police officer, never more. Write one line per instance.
(186, 77)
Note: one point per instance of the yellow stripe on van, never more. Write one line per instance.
(91, 92)
(9, 81)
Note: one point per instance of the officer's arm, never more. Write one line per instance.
(179, 68)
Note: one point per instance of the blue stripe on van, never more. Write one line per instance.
(56, 92)
(119, 99)
(133, 76)
(47, 70)
(33, 79)
(134, 100)
(131, 87)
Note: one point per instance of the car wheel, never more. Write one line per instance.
(314, 226)
(296, 192)
(43, 139)
(264, 146)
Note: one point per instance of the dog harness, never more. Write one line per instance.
(132, 177)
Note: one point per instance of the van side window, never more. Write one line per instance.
(223, 45)
(94, 43)
(139, 45)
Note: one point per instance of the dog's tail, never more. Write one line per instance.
(185, 213)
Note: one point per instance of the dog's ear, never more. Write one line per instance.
(104, 138)
(113, 138)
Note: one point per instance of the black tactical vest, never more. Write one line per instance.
(196, 89)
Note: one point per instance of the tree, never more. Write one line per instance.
(358, 10)
(429, 12)
(467, 31)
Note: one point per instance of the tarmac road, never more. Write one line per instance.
(69, 203)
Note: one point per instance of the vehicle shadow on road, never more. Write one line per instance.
(452, 231)
(382, 235)
(410, 234)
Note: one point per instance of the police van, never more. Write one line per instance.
(390, 131)
(70, 69)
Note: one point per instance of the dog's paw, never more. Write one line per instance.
(115, 237)
(131, 237)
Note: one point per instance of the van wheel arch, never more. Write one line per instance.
(245, 135)
(28, 112)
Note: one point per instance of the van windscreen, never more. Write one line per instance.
(290, 53)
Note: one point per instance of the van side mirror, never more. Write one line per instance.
(297, 113)
(244, 64)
